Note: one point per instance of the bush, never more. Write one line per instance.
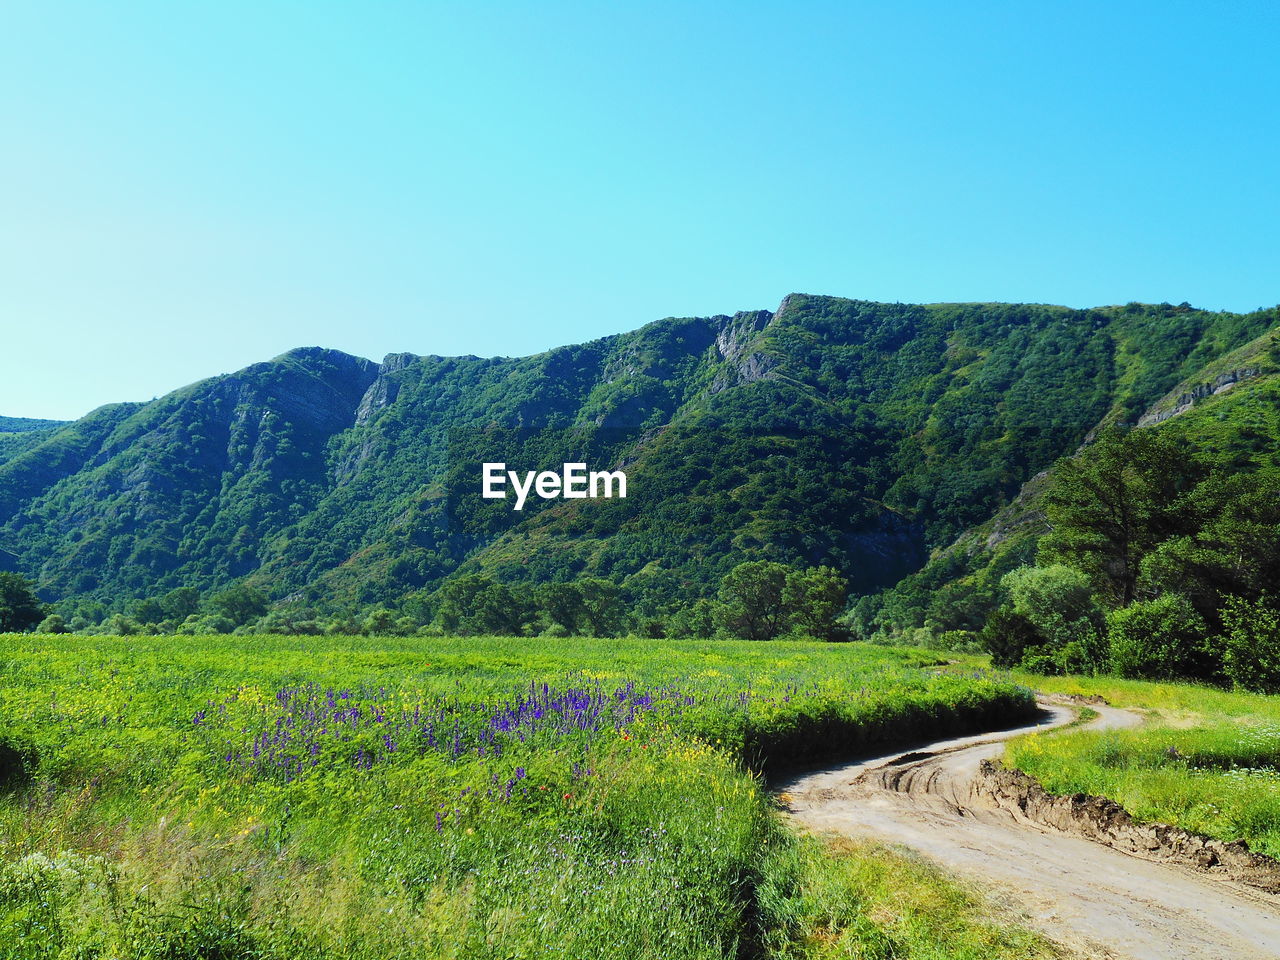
(1056, 600)
(53, 623)
(1251, 644)
(1159, 639)
(1007, 635)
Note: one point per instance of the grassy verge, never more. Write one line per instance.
(1206, 759)
(835, 897)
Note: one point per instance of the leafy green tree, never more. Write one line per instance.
(1111, 505)
(380, 623)
(475, 604)
(1160, 639)
(1057, 601)
(148, 611)
(1251, 648)
(602, 609)
(180, 603)
(815, 598)
(240, 604)
(563, 604)
(1233, 549)
(695, 621)
(122, 626)
(196, 625)
(752, 604)
(20, 608)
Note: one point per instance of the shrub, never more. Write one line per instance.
(53, 623)
(1159, 639)
(1006, 637)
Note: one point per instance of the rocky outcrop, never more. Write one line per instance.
(1105, 821)
(385, 387)
(1186, 400)
(736, 343)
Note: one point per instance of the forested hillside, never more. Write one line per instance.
(1225, 416)
(861, 435)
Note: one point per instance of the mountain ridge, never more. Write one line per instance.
(325, 477)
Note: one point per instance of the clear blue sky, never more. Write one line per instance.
(186, 188)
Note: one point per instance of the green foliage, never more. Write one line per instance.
(1159, 639)
(326, 479)
(1108, 509)
(1056, 600)
(180, 603)
(752, 600)
(815, 598)
(589, 606)
(1007, 636)
(20, 608)
(1251, 647)
(53, 623)
(475, 604)
(240, 604)
(695, 621)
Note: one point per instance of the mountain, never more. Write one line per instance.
(866, 435)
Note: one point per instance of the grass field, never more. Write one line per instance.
(260, 797)
(1207, 760)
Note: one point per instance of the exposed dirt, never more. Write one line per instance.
(1097, 900)
(1105, 821)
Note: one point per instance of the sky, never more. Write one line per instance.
(186, 189)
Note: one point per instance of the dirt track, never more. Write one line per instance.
(1091, 898)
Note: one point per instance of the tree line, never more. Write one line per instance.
(756, 600)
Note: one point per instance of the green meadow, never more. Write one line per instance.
(264, 797)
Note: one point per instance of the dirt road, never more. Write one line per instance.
(1096, 900)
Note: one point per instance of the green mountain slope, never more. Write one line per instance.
(1227, 409)
(859, 434)
(18, 434)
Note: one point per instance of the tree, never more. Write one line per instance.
(20, 608)
(475, 604)
(1251, 653)
(563, 604)
(602, 608)
(180, 603)
(1112, 504)
(815, 598)
(121, 625)
(1007, 636)
(1057, 602)
(751, 598)
(148, 610)
(696, 620)
(1235, 552)
(53, 623)
(240, 604)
